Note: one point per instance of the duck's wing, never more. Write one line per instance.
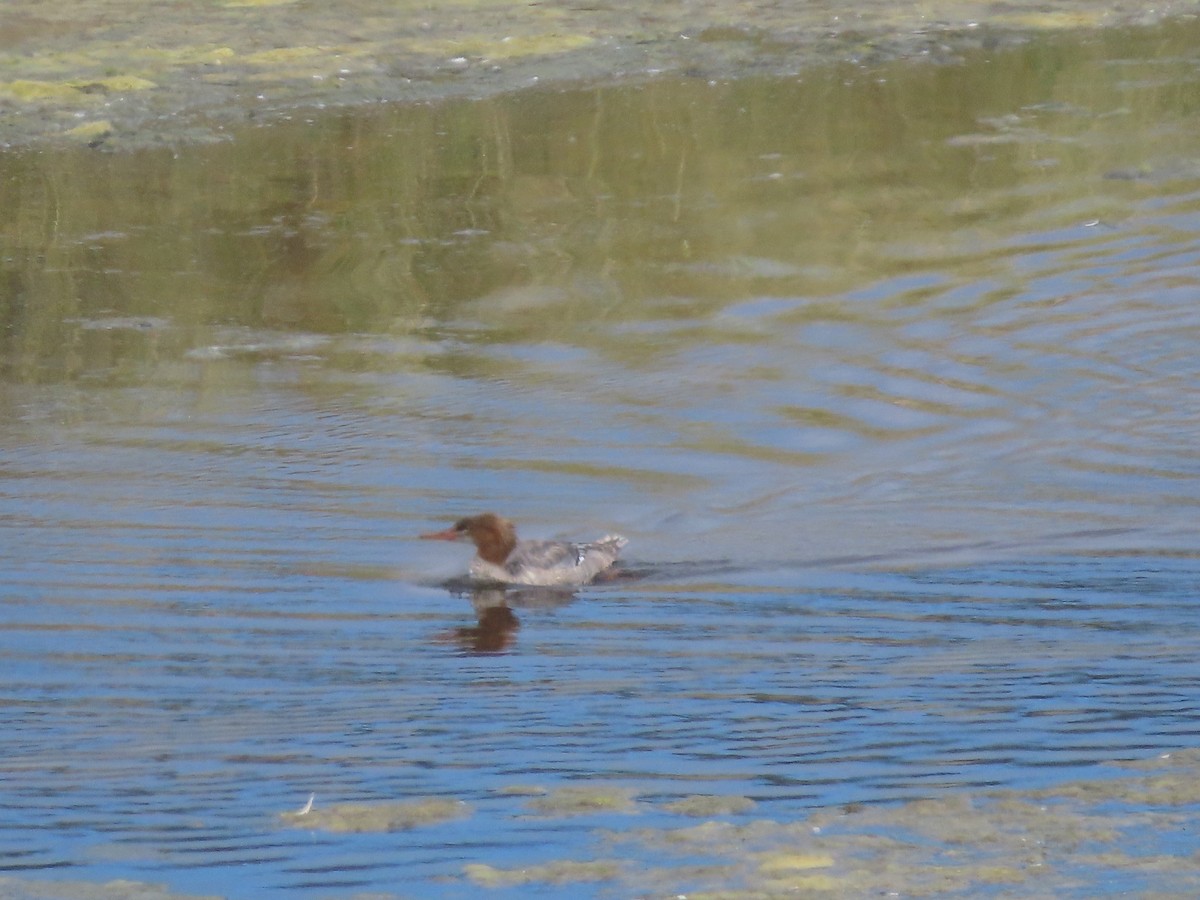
(561, 562)
(544, 556)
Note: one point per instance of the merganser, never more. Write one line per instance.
(501, 557)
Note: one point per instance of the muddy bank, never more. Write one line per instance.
(104, 73)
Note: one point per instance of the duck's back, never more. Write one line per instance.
(550, 563)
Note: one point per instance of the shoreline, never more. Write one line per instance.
(98, 75)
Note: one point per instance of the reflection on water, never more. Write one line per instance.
(495, 632)
(887, 374)
(497, 625)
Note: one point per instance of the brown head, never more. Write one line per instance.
(494, 536)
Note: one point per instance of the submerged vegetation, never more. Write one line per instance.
(376, 817)
(1012, 842)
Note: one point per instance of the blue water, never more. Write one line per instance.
(160, 715)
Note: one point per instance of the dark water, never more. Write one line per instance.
(889, 376)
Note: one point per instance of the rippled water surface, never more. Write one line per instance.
(889, 375)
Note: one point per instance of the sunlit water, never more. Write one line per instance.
(889, 376)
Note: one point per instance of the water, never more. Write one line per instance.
(888, 375)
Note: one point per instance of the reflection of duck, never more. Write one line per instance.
(497, 620)
(501, 557)
(497, 624)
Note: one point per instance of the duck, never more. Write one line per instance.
(501, 557)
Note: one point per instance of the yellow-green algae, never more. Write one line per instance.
(561, 872)
(710, 805)
(578, 801)
(785, 862)
(90, 130)
(377, 817)
(35, 90)
(1005, 843)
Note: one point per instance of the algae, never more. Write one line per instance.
(32, 90)
(710, 805)
(376, 817)
(1004, 843)
(559, 872)
(90, 131)
(579, 801)
(787, 861)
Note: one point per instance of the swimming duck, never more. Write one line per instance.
(499, 556)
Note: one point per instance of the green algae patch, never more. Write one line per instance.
(582, 801)
(377, 817)
(282, 56)
(559, 872)
(705, 805)
(1053, 20)
(36, 91)
(1003, 843)
(1173, 789)
(90, 131)
(119, 84)
(1179, 758)
(32, 91)
(778, 863)
(805, 883)
(707, 837)
(1000, 875)
(792, 871)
